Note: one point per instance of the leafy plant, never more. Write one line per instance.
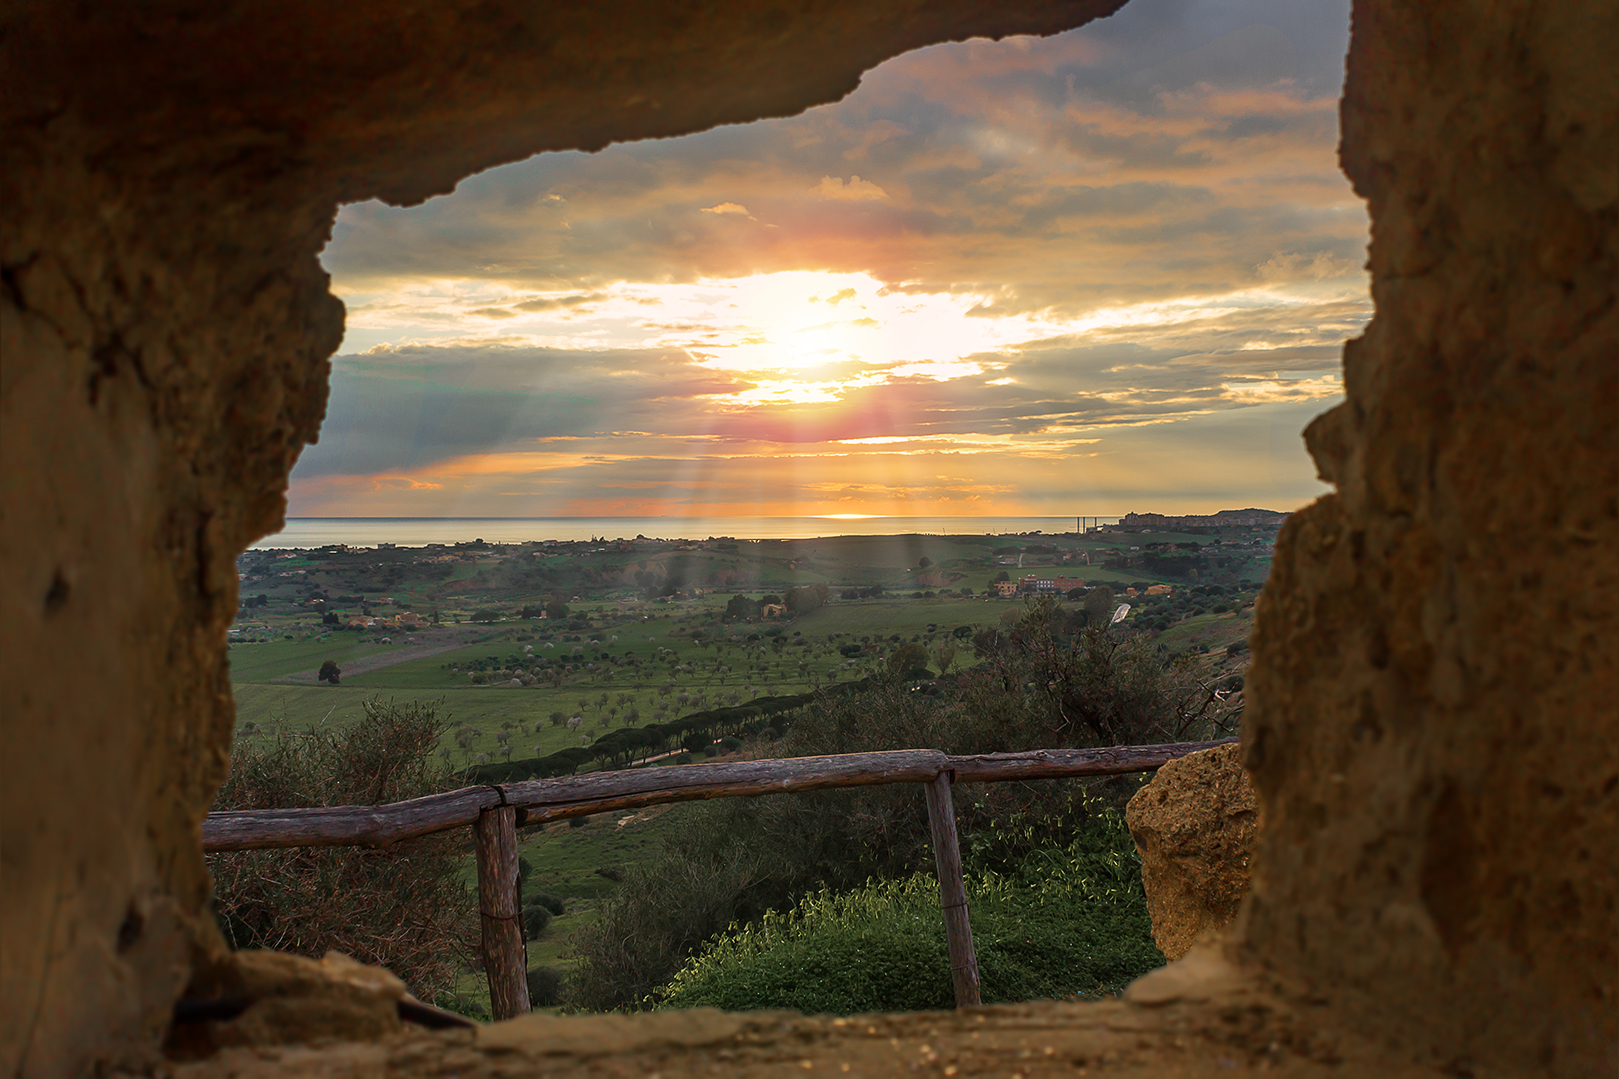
(544, 987)
(1071, 920)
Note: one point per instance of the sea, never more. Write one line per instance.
(309, 532)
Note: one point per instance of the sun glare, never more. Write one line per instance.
(957, 288)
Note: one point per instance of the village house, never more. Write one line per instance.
(1048, 586)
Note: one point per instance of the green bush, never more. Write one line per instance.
(1072, 921)
(553, 903)
(535, 921)
(544, 987)
(1045, 681)
(652, 923)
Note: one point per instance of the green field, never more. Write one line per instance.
(906, 617)
(641, 657)
(260, 662)
(725, 668)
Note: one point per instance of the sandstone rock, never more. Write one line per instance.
(1430, 704)
(1194, 825)
(293, 1000)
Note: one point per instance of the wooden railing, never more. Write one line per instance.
(496, 811)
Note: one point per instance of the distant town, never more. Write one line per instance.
(410, 588)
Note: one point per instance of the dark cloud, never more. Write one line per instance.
(960, 139)
(1180, 153)
(408, 408)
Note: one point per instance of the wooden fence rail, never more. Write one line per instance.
(496, 811)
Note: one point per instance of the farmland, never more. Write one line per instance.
(529, 650)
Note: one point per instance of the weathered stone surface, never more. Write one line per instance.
(1436, 655)
(1194, 825)
(1198, 1018)
(1435, 670)
(290, 1000)
(171, 174)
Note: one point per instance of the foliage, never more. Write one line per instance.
(544, 987)
(1071, 920)
(553, 903)
(694, 731)
(633, 946)
(1098, 605)
(329, 672)
(1044, 682)
(402, 907)
(741, 607)
(1094, 684)
(807, 597)
(907, 656)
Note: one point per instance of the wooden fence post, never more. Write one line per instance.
(958, 930)
(505, 960)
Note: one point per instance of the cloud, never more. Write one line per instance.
(853, 190)
(1126, 232)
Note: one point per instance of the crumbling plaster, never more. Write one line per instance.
(1434, 672)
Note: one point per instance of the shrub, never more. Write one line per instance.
(536, 919)
(402, 907)
(635, 946)
(1072, 920)
(1044, 683)
(544, 987)
(555, 904)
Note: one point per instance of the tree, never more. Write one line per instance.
(329, 672)
(999, 577)
(556, 609)
(807, 598)
(907, 657)
(925, 562)
(1099, 605)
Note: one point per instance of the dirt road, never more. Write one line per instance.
(422, 644)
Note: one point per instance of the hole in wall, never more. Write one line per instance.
(56, 596)
(1112, 266)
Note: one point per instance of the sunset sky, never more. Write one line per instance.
(1106, 271)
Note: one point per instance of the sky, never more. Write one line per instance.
(1104, 271)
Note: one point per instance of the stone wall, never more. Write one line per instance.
(1434, 668)
(172, 172)
(1432, 695)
